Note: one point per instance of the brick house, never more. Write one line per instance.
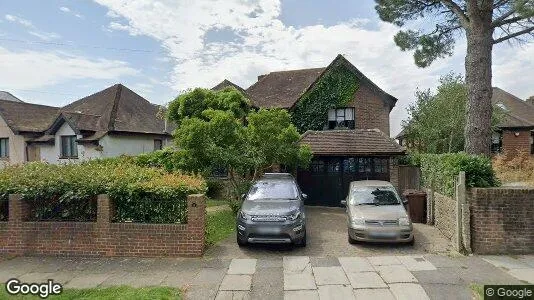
(349, 142)
(515, 129)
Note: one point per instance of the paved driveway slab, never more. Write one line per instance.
(355, 264)
(366, 280)
(86, 281)
(523, 274)
(242, 267)
(233, 295)
(330, 275)
(335, 292)
(296, 264)
(416, 263)
(236, 283)
(301, 295)
(408, 291)
(384, 260)
(376, 294)
(299, 281)
(395, 274)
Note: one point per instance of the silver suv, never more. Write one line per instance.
(272, 212)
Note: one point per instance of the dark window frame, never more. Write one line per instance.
(156, 146)
(4, 148)
(496, 148)
(68, 147)
(340, 112)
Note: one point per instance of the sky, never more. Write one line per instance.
(56, 51)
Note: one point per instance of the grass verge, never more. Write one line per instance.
(120, 293)
(478, 291)
(220, 225)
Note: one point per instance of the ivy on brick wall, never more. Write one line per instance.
(334, 89)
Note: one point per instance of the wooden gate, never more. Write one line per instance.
(409, 178)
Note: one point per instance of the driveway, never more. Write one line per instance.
(327, 237)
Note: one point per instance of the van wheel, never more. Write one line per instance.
(241, 243)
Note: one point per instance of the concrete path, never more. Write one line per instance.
(520, 267)
(285, 277)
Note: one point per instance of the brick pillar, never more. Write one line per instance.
(104, 214)
(18, 209)
(196, 221)
(18, 213)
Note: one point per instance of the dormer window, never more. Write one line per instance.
(341, 118)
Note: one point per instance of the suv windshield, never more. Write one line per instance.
(382, 195)
(273, 190)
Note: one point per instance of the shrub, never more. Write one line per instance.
(516, 166)
(215, 188)
(68, 192)
(442, 170)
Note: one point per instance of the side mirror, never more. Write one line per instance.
(304, 196)
(243, 196)
(404, 201)
(343, 202)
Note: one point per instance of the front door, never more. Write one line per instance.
(33, 152)
(327, 180)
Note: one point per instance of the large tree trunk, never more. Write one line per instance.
(478, 80)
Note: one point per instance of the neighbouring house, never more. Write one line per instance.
(343, 116)
(515, 130)
(109, 123)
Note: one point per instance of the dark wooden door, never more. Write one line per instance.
(327, 180)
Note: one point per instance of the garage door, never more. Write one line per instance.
(327, 179)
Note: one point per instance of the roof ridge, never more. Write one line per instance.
(114, 108)
(28, 103)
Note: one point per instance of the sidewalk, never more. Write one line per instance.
(289, 277)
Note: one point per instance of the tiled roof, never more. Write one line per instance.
(227, 83)
(117, 108)
(282, 89)
(21, 116)
(351, 142)
(9, 97)
(518, 113)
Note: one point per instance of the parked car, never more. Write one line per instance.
(376, 213)
(272, 212)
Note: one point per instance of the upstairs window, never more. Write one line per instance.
(341, 118)
(158, 144)
(4, 147)
(69, 146)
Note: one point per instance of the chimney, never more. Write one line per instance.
(530, 100)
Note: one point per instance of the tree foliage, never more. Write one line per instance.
(509, 19)
(435, 121)
(219, 130)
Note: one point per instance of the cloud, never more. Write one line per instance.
(264, 43)
(49, 68)
(70, 11)
(21, 21)
(45, 36)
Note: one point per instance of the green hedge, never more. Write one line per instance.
(443, 169)
(68, 192)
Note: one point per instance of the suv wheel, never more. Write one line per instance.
(351, 240)
(302, 241)
(240, 242)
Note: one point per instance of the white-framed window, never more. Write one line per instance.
(4, 147)
(341, 118)
(69, 146)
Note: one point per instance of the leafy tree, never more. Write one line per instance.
(195, 102)
(435, 122)
(484, 23)
(219, 136)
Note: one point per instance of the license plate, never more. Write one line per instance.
(269, 230)
(383, 235)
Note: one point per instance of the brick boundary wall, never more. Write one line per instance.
(103, 238)
(502, 220)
